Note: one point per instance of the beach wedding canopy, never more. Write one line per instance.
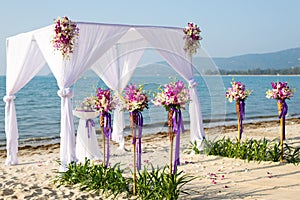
(112, 51)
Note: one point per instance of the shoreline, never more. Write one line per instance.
(223, 129)
(216, 177)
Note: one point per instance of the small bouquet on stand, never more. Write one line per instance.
(87, 109)
(65, 34)
(135, 101)
(192, 38)
(239, 94)
(105, 104)
(280, 91)
(174, 97)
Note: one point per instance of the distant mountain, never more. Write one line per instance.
(285, 59)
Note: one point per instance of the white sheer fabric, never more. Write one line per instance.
(93, 42)
(115, 68)
(27, 54)
(169, 43)
(24, 61)
(86, 139)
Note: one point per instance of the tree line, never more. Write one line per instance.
(257, 71)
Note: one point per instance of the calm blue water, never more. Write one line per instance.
(38, 106)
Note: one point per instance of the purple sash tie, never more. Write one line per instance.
(177, 126)
(89, 123)
(139, 145)
(283, 114)
(242, 115)
(107, 129)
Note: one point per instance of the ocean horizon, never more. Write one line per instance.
(38, 105)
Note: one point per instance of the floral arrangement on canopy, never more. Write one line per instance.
(239, 94)
(173, 96)
(104, 104)
(281, 91)
(192, 38)
(65, 34)
(135, 101)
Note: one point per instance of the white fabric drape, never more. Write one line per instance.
(27, 54)
(169, 43)
(24, 61)
(94, 41)
(115, 68)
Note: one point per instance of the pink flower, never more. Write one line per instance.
(279, 91)
(173, 95)
(105, 102)
(192, 37)
(135, 99)
(237, 92)
(66, 32)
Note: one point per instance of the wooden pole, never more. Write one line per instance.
(238, 120)
(282, 130)
(103, 137)
(133, 122)
(171, 137)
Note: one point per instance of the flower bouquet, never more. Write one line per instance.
(174, 97)
(88, 104)
(192, 38)
(280, 91)
(65, 35)
(104, 104)
(239, 94)
(135, 101)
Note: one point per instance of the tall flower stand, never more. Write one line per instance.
(133, 123)
(240, 112)
(136, 123)
(171, 136)
(106, 129)
(175, 126)
(282, 111)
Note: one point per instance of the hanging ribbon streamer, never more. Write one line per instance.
(177, 125)
(242, 116)
(107, 129)
(139, 121)
(89, 123)
(283, 113)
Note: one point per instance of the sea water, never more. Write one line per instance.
(38, 105)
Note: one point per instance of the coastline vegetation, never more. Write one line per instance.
(256, 71)
(250, 150)
(111, 182)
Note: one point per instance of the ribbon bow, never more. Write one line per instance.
(283, 113)
(242, 116)
(177, 126)
(107, 130)
(139, 145)
(89, 123)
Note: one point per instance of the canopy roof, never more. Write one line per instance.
(112, 51)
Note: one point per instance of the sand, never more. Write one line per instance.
(217, 177)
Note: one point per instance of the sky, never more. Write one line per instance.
(229, 27)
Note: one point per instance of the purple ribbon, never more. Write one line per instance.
(177, 126)
(283, 114)
(242, 116)
(89, 123)
(107, 130)
(139, 145)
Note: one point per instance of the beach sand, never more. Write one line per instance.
(217, 177)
